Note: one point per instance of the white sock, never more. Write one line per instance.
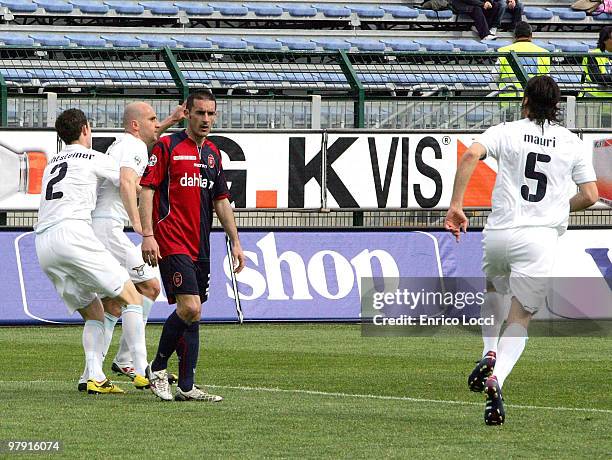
(93, 344)
(109, 326)
(511, 346)
(133, 330)
(493, 306)
(124, 354)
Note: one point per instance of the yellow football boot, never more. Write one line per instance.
(106, 386)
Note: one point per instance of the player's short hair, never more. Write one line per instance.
(522, 30)
(543, 95)
(203, 95)
(70, 124)
(604, 34)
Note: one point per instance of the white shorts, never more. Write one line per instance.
(111, 235)
(519, 261)
(78, 265)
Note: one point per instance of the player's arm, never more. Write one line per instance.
(176, 116)
(586, 197)
(456, 221)
(225, 214)
(128, 189)
(150, 248)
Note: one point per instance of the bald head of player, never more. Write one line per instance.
(140, 120)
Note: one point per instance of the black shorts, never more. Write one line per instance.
(181, 275)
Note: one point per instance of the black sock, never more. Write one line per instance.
(187, 350)
(171, 333)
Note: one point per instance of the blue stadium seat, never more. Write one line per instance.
(444, 14)
(332, 11)
(331, 77)
(264, 9)
(15, 74)
(569, 46)
(230, 9)
(194, 8)
(474, 79)
(50, 39)
(405, 78)
(90, 6)
(592, 44)
(401, 12)
(297, 43)
(119, 75)
(88, 75)
(440, 78)
(9, 38)
(373, 78)
(568, 14)
(264, 77)
(166, 8)
(496, 44)
(55, 6)
(228, 42)
(299, 77)
(263, 43)
(434, 45)
(331, 44)
(86, 40)
(602, 17)
(366, 44)
(125, 7)
(547, 46)
(574, 78)
(399, 44)
(469, 45)
(533, 12)
(192, 42)
(157, 41)
(299, 11)
(19, 6)
(123, 41)
(366, 11)
(155, 75)
(47, 74)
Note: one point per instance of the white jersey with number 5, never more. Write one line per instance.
(537, 170)
(128, 152)
(70, 183)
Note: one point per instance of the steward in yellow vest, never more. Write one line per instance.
(532, 65)
(597, 69)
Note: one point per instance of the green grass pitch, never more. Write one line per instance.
(313, 391)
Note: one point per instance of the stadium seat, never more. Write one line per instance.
(55, 6)
(475, 79)
(192, 41)
(299, 11)
(90, 6)
(602, 17)
(50, 39)
(15, 74)
(366, 11)
(230, 9)
(157, 41)
(264, 9)
(401, 12)
(333, 11)
(535, 13)
(194, 8)
(469, 45)
(399, 44)
(9, 38)
(125, 7)
(592, 44)
(443, 14)
(434, 45)
(366, 44)
(228, 42)
(86, 40)
(263, 43)
(331, 44)
(299, 77)
(124, 41)
(547, 46)
(166, 8)
(405, 78)
(440, 78)
(568, 14)
(297, 43)
(19, 6)
(496, 44)
(87, 75)
(573, 78)
(569, 46)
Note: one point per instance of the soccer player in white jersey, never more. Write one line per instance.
(117, 204)
(78, 265)
(539, 164)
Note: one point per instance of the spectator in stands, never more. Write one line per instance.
(597, 69)
(483, 13)
(509, 84)
(516, 9)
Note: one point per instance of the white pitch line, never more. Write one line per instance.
(360, 396)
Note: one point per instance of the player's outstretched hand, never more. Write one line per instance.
(237, 258)
(179, 113)
(456, 222)
(150, 250)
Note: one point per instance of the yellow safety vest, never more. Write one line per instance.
(532, 65)
(605, 67)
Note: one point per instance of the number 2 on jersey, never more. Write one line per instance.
(531, 173)
(63, 169)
